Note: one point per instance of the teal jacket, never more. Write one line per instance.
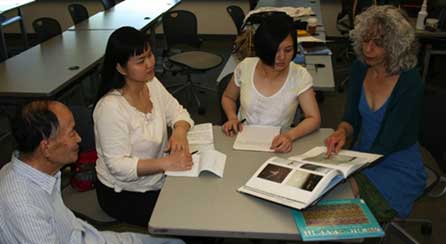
(399, 128)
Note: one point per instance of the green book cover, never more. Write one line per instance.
(336, 220)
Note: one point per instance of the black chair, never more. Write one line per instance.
(5, 21)
(237, 16)
(85, 204)
(46, 28)
(180, 30)
(220, 90)
(344, 24)
(108, 4)
(395, 227)
(253, 4)
(7, 142)
(78, 12)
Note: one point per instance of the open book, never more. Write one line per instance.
(337, 219)
(256, 138)
(201, 137)
(208, 160)
(301, 180)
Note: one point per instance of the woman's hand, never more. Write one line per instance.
(335, 141)
(178, 141)
(179, 161)
(282, 143)
(232, 127)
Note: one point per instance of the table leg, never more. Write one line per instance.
(22, 28)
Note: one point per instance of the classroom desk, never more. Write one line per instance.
(211, 206)
(7, 5)
(45, 70)
(139, 14)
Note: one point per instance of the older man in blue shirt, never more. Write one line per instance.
(31, 206)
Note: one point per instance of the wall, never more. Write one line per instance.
(211, 14)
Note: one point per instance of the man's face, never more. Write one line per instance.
(63, 148)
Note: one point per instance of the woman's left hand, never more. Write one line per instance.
(178, 141)
(282, 143)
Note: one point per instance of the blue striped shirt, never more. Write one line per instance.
(32, 211)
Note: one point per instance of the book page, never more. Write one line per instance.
(256, 138)
(213, 161)
(201, 134)
(193, 172)
(346, 161)
(283, 180)
(208, 160)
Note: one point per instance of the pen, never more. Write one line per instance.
(241, 122)
(192, 153)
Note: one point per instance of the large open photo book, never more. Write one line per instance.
(300, 181)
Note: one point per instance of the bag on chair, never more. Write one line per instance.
(84, 176)
(243, 44)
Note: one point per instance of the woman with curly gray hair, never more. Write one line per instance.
(382, 112)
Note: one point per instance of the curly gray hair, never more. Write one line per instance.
(389, 27)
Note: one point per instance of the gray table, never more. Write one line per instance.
(139, 14)
(211, 206)
(45, 70)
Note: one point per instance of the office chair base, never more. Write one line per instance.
(191, 86)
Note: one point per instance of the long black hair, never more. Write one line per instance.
(122, 44)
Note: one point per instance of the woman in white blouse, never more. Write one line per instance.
(130, 125)
(271, 86)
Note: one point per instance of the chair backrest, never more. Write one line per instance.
(253, 4)
(83, 116)
(108, 4)
(349, 9)
(78, 12)
(180, 28)
(46, 28)
(220, 90)
(237, 16)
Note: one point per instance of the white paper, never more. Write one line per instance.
(201, 134)
(309, 39)
(208, 160)
(256, 138)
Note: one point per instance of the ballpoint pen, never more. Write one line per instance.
(241, 122)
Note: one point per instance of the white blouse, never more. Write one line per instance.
(277, 109)
(124, 135)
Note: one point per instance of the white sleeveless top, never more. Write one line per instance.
(277, 109)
